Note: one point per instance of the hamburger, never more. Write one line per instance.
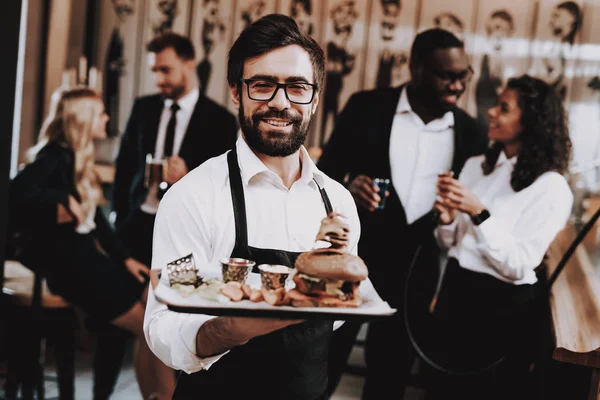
(329, 276)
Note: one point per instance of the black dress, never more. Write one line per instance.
(288, 364)
(75, 268)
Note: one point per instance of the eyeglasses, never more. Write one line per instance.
(449, 77)
(295, 92)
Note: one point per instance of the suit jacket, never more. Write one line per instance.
(212, 130)
(34, 196)
(359, 145)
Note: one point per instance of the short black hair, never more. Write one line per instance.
(504, 15)
(428, 41)
(182, 45)
(266, 34)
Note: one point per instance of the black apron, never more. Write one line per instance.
(289, 364)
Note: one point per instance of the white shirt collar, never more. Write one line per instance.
(251, 165)
(502, 159)
(187, 102)
(440, 124)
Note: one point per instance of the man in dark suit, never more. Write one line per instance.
(178, 126)
(202, 129)
(408, 135)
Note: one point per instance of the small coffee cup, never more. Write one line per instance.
(236, 269)
(273, 276)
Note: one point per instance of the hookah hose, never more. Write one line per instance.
(543, 291)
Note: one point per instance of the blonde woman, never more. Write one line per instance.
(54, 200)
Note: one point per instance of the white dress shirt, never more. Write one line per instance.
(418, 153)
(187, 104)
(512, 242)
(196, 216)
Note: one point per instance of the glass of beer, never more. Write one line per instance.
(155, 170)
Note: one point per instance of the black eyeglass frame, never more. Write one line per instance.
(450, 77)
(279, 86)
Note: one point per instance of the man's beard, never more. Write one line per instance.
(175, 91)
(274, 143)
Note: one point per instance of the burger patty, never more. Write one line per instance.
(311, 285)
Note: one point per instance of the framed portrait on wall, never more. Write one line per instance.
(248, 11)
(554, 47)
(501, 49)
(454, 16)
(306, 13)
(584, 104)
(117, 59)
(210, 32)
(391, 32)
(160, 16)
(344, 45)
(116, 62)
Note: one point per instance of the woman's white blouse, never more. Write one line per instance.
(512, 242)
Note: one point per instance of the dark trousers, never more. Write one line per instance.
(499, 329)
(136, 234)
(111, 342)
(388, 356)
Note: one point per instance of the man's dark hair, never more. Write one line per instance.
(391, 2)
(428, 41)
(266, 34)
(182, 45)
(452, 17)
(503, 15)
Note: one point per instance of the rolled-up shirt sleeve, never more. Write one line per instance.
(511, 251)
(178, 231)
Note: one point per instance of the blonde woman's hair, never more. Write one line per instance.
(70, 122)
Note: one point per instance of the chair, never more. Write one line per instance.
(34, 315)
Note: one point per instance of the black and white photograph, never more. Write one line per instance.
(210, 32)
(306, 13)
(118, 59)
(391, 32)
(344, 45)
(501, 49)
(554, 46)
(584, 102)
(453, 16)
(248, 11)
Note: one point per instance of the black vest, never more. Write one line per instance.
(288, 364)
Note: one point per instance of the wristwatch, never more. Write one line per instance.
(481, 216)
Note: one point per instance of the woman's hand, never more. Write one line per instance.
(365, 192)
(74, 212)
(455, 195)
(446, 215)
(137, 269)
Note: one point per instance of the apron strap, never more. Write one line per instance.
(325, 198)
(239, 203)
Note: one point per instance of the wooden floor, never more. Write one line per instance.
(349, 389)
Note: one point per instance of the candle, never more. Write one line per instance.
(92, 78)
(82, 70)
(99, 87)
(72, 77)
(66, 79)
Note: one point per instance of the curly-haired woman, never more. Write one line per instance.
(54, 200)
(498, 220)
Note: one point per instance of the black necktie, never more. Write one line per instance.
(170, 138)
